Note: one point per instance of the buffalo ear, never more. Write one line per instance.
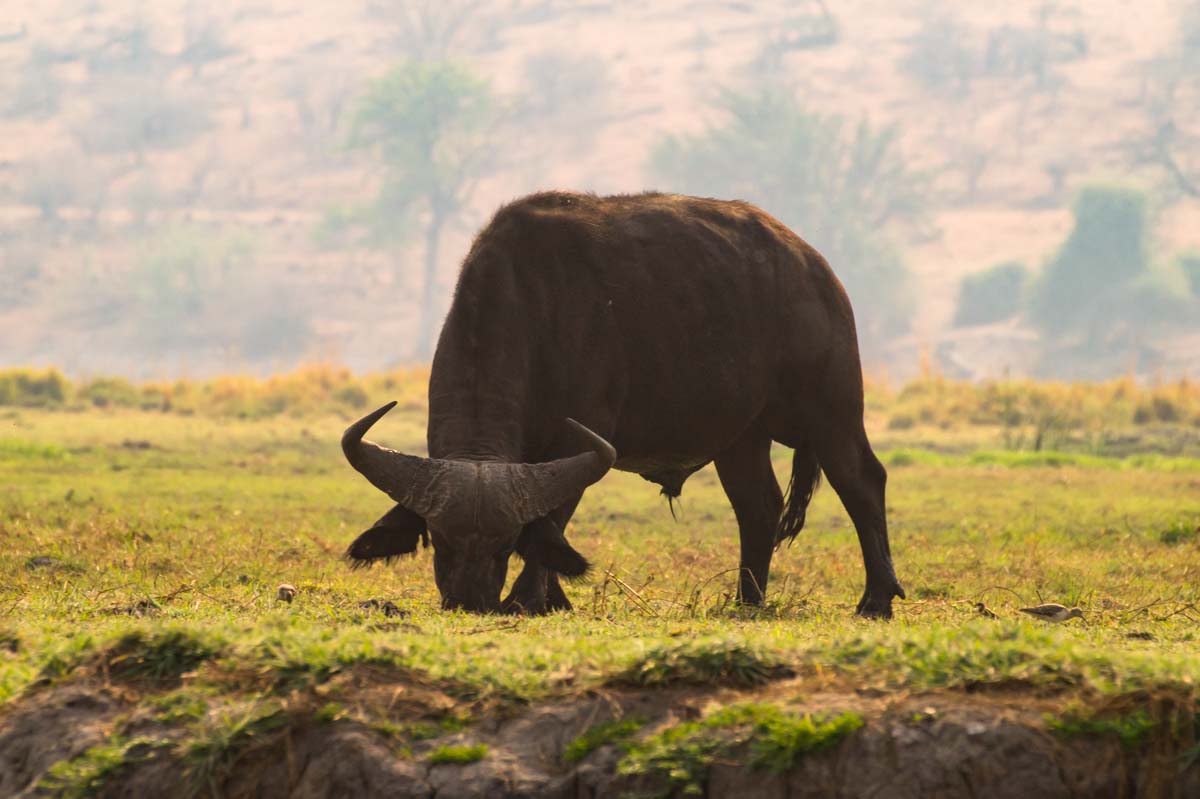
(396, 534)
(544, 544)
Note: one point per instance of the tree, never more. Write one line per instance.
(427, 123)
(840, 187)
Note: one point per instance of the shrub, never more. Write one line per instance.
(991, 295)
(1189, 264)
(110, 391)
(1106, 249)
(33, 387)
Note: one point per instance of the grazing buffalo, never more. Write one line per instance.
(682, 330)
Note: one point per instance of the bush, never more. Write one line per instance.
(33, 388)
(104, 392)
(991, 295)
(1189, 264)
(1105, 251)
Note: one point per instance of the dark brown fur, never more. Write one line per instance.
(685, 331)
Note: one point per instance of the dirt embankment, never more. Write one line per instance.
(940, 744)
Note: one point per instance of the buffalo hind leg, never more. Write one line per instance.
(859, 479)
(537, 591)
(749, 482)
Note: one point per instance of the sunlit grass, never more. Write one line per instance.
(151, 545)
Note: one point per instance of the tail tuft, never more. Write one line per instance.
(806, 476)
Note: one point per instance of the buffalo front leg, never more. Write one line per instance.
(749, 482)
(537, 591)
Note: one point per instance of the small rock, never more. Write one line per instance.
(286, 592)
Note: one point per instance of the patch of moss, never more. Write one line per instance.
(458, 755)
(616, 731)
(776, 740)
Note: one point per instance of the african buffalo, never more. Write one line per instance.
(684, 331)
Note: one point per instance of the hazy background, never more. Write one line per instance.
(189, 188)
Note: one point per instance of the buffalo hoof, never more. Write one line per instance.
(877, 603)
(556, 599)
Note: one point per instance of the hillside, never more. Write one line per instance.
(219, 135)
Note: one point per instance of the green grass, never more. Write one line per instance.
(1131, 729)
(202, 518)
(84, 776)
(717, 663)
(457, 755)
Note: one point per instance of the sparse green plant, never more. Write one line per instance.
(616, 731)
(457, 755)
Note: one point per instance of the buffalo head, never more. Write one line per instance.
(477, 513)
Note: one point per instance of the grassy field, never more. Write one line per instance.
(148, 547)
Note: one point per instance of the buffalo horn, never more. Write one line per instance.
(539, 488)
(407, 479)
